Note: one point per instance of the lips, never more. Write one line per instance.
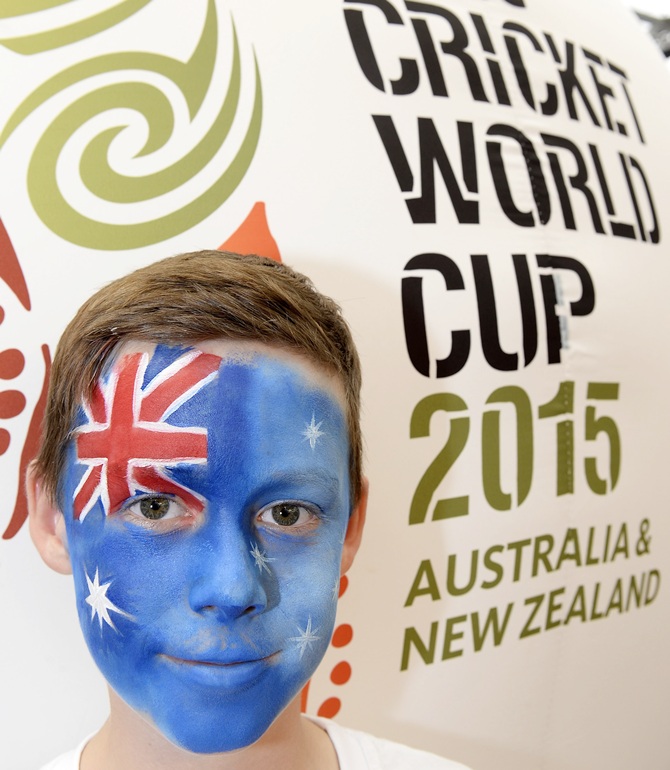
(220, 663)
(226, 675)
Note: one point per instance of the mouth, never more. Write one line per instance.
(227, 676)
(219, 663)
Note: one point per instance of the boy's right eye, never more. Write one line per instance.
(155, 507)
(160, 511)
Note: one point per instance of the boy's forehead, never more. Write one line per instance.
(251, 353)
(204, 418)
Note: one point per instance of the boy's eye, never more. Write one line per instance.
(155, 508)
(286, 514)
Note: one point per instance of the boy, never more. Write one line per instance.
(200, 475)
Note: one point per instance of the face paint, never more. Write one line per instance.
(207, 585)
(126, 438)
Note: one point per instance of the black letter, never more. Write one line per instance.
(537, 184)
(582, 306)
(550, 104)
(528, 321)
(414, 317)
(654, 233)
(620, 229)
(569, 80)
(456, 47)
(488, 317)
(408, 81)
(577, 181)
(431, 149)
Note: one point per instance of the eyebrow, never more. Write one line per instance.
(331, 482)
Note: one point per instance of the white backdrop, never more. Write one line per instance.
(517, 371)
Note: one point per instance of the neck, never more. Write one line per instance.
(128, 740)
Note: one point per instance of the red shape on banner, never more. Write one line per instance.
(329, 708)
(12, 362)
(253, 236)
(344, 584)
(343, 635)
(12, 403)
(341, 674)
(10, 269)
(30, 448)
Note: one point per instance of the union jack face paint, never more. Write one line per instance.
(127, 442)
(207, 500)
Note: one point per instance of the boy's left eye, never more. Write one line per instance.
(286, 514)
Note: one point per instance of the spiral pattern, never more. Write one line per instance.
(193, 79)
(71, 33)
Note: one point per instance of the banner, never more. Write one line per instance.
(481, 184)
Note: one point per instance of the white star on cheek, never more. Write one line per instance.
(100, 603)
(261, 558)
(306, 638)
(313, 432)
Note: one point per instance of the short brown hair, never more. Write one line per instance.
(190, 298)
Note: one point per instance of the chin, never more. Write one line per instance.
(204, 720)
(220, 734)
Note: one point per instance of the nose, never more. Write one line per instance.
(231, 578)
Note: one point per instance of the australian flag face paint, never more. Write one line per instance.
(206, 499)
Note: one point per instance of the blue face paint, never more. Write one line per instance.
(207, 589)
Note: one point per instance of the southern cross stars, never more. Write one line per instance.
(313, 432)
(99, 601)
(261, 558)
(306, 638)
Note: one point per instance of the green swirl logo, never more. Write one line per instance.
(145, 99)
(70, 33)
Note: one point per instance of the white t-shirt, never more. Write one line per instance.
(361, 751)
(355, 751)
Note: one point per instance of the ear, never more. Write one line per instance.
(352, 539)
(47, 525)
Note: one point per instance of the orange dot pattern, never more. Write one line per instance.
(30, 448)
(329, 708)
(341, 674)
(12, 402)
(5, 438)
(343, 635)
(12, 362)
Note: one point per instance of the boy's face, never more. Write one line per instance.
(206, 499)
